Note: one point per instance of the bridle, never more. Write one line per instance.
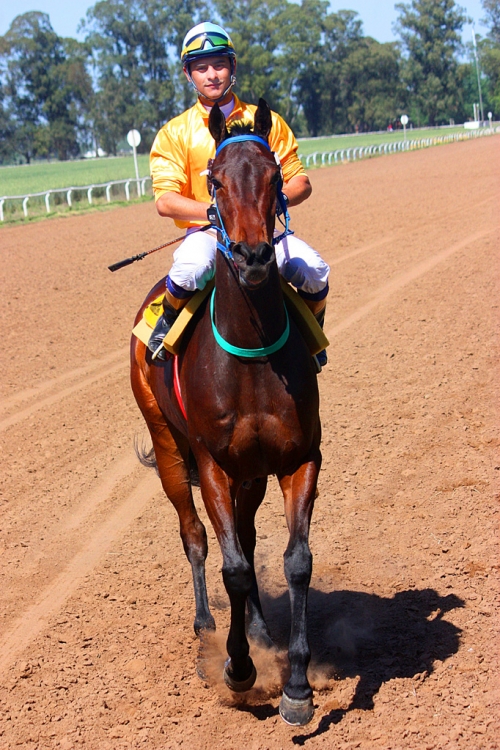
(225, 244)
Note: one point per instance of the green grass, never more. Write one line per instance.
(34, 178)
(13, 214)
(332, 143)
(40, 176)
(43, 176)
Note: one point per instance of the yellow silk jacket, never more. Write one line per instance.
(182, 148)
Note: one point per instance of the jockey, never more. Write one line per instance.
(179, 158)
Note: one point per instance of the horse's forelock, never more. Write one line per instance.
(240, 128)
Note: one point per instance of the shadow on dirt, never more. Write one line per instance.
(354, 634)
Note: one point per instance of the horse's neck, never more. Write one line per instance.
(249, 319)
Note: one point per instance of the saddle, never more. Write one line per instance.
(305, 321)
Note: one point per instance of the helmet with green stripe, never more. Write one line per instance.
(204, 40)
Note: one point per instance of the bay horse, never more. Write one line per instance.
(250, 394)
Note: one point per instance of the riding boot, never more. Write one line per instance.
(318, 309)
(162, 327)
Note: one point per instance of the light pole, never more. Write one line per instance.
(478, 75)
(133, 139)
(404, 123)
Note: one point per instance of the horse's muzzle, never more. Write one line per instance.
(253, 264)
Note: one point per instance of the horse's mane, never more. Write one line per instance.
(240, 128)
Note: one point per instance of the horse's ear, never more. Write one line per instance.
(262, 120)
(217, 125)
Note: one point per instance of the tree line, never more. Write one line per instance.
(60, 97)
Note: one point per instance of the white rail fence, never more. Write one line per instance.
(323, 158)
(47, 195)
(318, 158)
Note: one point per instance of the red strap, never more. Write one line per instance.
(177, 386)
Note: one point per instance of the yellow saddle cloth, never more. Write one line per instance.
(297, 308)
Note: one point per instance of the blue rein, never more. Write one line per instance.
(225, 247)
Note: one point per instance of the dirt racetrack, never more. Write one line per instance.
(96, 642)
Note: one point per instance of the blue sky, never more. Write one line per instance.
(377, 15)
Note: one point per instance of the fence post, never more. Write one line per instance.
(127, 189)
(89, 194)
(68, 198)
(47, 202)
(2, 201)
(108, 193)
(25, 206)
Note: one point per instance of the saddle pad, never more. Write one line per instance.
(172, 341)
(311, 331)
(302, 316)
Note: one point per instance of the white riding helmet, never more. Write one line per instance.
(205, 40)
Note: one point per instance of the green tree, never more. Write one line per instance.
(131, 43)
(489, 51)
(6, 130)
(303, 64)
(256, 29)
(430, 33)
(40, 88)
(370, 87)
(492, 19)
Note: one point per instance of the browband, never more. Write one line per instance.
(240, 138)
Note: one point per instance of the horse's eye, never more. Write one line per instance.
(275, 178)
(216, 183)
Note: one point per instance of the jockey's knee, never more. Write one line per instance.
(312, 279)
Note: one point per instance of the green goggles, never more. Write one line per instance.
(214, 39)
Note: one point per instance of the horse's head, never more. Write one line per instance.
(245, 177)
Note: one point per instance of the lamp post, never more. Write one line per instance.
(478, 75)
(133, 139)
(404, 123)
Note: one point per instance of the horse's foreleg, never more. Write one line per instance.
(239, 671)
(171, 453)
(248, 501)
(175, 480)
(299, 491)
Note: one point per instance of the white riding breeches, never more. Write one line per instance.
(298, 263)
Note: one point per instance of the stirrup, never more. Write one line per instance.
(157, 352)
(161, 329)
(320, 360)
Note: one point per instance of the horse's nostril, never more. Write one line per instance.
(267, 253)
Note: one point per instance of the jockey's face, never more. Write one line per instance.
(212, 76)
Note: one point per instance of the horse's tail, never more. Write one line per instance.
(148, 459)
(145, 456)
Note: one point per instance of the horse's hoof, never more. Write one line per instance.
(234, 685)
(204, 625)
(296, 712)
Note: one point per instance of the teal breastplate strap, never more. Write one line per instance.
(263, 351)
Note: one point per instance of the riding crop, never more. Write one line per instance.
(128, 261)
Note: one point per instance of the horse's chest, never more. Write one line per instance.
(263, 444)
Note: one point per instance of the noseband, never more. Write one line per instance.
(225, 243)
